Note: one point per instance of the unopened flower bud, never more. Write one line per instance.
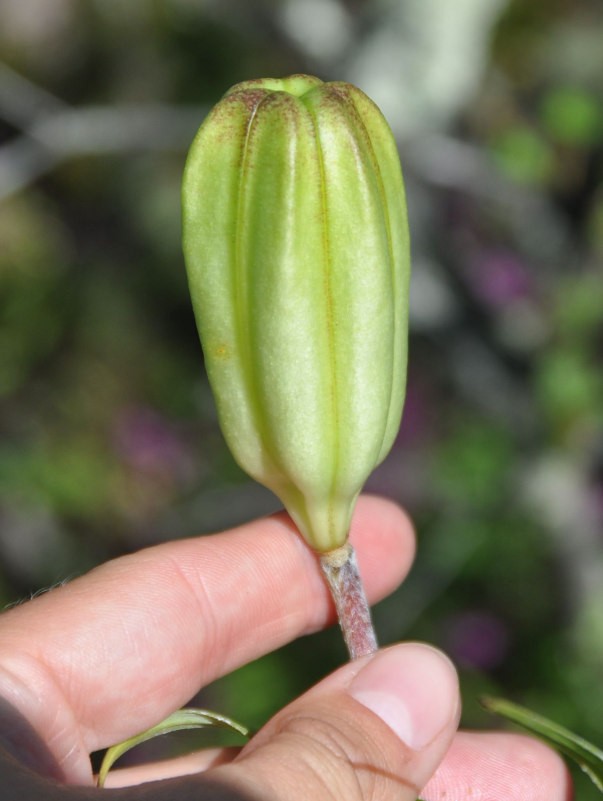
(297, 251)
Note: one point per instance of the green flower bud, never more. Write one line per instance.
(297, 251)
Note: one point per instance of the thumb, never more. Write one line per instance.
(377, 728)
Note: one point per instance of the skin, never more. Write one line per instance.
(97, 660)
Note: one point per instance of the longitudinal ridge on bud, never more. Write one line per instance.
(297, 251)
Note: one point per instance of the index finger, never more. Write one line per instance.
(131, 641)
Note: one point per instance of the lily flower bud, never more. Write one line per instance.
(297, 251)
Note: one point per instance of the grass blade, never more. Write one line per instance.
(182, 719)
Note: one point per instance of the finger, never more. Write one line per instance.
(122, 647)
(377, 728)
(493, 765)
(187, 765)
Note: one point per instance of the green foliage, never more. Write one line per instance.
(572, 116)
(523, 155)
(35, 251)
(473, 464)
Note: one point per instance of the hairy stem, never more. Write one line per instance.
(341, 571)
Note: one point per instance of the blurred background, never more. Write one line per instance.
(108, 433)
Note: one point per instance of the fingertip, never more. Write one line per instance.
(384, 539)
(500, 764)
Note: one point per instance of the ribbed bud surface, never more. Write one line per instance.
(297, 252)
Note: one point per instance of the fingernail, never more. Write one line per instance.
(413, 688)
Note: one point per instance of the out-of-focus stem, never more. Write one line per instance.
(341, 571)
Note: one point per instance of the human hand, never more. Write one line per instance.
(109, 654)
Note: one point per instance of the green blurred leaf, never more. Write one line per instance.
(473, 463)
(569, 385)
(523, 155)
(179, 721)
(578, 308)
(72, 476)
(572, 116)
(34, 253)
(588, 756)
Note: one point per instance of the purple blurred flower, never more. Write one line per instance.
(149, 443)
(416, 419)
(477, 639)
(499, 278)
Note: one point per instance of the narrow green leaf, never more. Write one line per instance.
(587, 755)
(178, 721)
